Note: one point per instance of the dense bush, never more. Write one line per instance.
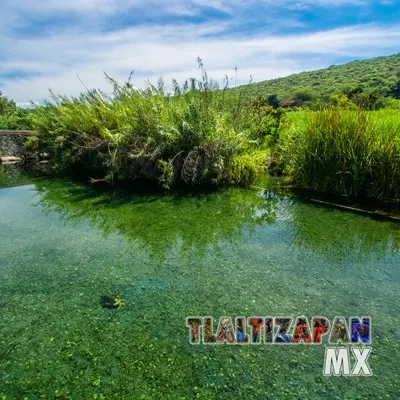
(356, 153)
(197, 136)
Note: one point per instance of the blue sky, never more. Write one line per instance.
(45, 44)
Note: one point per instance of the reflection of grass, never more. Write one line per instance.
(196, 221)
(338, 234)
(18, 174)
(10, 175)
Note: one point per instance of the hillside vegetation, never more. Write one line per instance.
(377, 73)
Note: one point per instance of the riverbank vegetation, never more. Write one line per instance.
(201, 135)
(196, 136)
(13, 117)
(351, 152)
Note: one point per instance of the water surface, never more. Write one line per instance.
(233, 252)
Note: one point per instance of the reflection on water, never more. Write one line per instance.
(342, 234)
(232, 252)
(11, 175)
(20, 174)
(203, 220)
(161, 221)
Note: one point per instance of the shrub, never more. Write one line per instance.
(15, 118)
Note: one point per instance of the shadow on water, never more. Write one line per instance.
(13, 175)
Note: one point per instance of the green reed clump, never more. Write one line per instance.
(356, 153)
(193, 136)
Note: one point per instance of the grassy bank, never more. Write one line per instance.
(355, 153)
(196, 136)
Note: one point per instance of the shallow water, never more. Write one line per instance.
(234, 252)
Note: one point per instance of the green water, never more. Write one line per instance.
(234, 252)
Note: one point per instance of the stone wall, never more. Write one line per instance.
(12, 142)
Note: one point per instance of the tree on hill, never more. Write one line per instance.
(395, 91)
(273, 101)
(352, 91)
(369, 100)
(304, 94)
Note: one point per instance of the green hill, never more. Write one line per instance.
(372, 73)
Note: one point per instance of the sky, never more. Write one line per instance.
(67, 45)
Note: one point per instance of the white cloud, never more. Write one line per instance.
(52, 60)
(91, 8)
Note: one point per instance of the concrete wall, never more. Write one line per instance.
(12, 142)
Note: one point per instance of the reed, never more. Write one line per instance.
(356, 153)
(194, 136)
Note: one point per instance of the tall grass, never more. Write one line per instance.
(197, 135)
(356, 153)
